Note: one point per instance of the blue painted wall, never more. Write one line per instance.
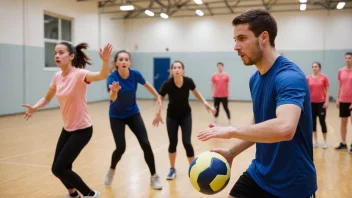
(23, 79)
(201, 65)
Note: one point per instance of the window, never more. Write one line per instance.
(56, 29)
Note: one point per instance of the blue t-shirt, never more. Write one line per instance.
(125, 105)
(286, 168)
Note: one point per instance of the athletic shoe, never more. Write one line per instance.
(315, 144)
(108, 178)
(155, 182)
(341, 146)
(172, 174)
(325, 145)
(96, 195)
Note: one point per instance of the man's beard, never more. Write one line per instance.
(256, 55)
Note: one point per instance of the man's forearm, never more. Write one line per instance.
(270, 131)
(240, 147)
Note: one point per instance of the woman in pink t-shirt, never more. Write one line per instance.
(70, 87)
(344, 98)
(319, 93)
(220, 88)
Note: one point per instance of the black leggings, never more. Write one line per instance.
(69, 146)
(224, 104)
(186, 127)
(136, 124)
(318, 110)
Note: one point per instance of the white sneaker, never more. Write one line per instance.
(155, 182)
(109, 177)
(315, 144)
(325, 145)
(96, 195)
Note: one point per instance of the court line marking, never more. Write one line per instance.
(25, 164)
(19, 155)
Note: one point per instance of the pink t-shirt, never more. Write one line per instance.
(221, 82)
(71, 94)
(317, 87)
(345, 77)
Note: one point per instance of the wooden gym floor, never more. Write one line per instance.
(27, 150)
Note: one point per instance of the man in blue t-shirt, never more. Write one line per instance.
(282, 124)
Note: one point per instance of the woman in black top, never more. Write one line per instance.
(179, 112)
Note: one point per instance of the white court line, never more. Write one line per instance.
(5, 158)
(25, 164)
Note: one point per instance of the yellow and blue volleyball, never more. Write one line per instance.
(209, 173)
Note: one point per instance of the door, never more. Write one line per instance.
(161, 71)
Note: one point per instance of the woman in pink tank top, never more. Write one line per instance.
(319, 93)
(344, 99)
(70, 87)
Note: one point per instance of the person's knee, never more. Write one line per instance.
(189, 149)
(344, 121)
(57, 170)
(120, 150)
(146, 146)
(172, 147)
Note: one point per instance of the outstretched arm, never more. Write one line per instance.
(279, 129)
(104, 71)
(152, 90)
(199, 96)
(290, 97)
(41, 103)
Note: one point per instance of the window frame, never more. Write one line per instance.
(46, 40)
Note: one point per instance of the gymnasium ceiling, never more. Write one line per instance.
(187, 8)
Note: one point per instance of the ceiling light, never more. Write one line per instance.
(303, 7)
(163, 15)
(199, 12)
(303, 1)
(149, 13)
(127, 7)
(198, 1)
(340, 5)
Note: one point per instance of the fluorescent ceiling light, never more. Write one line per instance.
(303, 1)
(127, 7)
(340, 5)
(303, 7)
(198, 1)
(163, 15)
(199, 12)
(149, 13)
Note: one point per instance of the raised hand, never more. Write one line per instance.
(106, 53)
(215, 132)
(115, 86)
(30, 111)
